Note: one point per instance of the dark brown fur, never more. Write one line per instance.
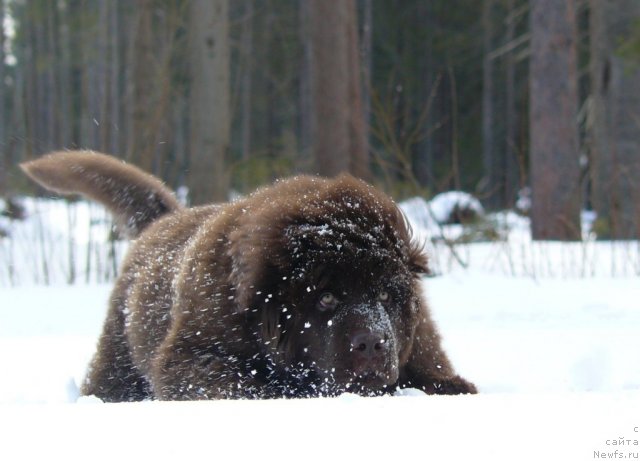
(228, 301)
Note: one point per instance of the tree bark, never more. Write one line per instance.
(511, 173)
(490, 179)
(3, 105)
(64, 78)
(53, 62)
(555, 174)
(366, 60)
(210, 103)
(31, 87)
(338, 132)
(103, 78)
(358, 129)
(247, 69)
(91, 75)
(615, 125)
(142, 143)
(305, 108)
(114, 78)
(423, 151)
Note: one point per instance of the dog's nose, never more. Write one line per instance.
(368, 344)
(371, 359)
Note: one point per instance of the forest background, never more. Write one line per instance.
(501, 98)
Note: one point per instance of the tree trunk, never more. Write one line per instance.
(247, 69)
(366, 59)
(511, 173)
(141, 145)
(31, 86)
(423, 151)
(210, 110)
(306, 108)
(43, 101)
(338, 135)
(615, 134)
(103, 80)
(490, 181)
(555, 174)
(64, 78)
(89, 116)
(114, 78)
(3, 105)
(358, 129)
(53, 62)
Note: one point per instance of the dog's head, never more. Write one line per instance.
(331, 284)
(348, 324)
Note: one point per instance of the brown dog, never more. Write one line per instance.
(308, 287)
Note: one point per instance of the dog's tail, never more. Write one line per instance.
(135, 198)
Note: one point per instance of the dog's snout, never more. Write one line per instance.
(370, 355)
(368, 344)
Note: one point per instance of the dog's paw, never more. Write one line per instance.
(454, 385)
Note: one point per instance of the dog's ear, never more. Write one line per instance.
(418, 260)
(255, 283)
(247, 272)
(253, 274)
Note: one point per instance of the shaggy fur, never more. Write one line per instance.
(307, 287)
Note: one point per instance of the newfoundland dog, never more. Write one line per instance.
(308, 287)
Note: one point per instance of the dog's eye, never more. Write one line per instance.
(327, 301)
(384, 296)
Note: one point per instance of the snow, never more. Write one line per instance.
(444, 203)
(549, 332)
(448, 428)
(438, 210)
(556, 362)
(59, 241)
(520, 335)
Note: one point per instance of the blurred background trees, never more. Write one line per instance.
(416, 96)
(553, 106)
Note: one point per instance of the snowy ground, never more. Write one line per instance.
(556, 362)
(549, 333)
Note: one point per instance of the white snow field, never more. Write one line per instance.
(550, 333)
